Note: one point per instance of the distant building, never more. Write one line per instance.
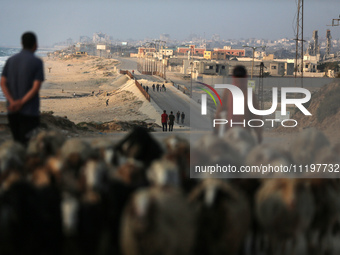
(206, 67)
(84, 39)
(232, 52)
(167, 52)
(81, 47)
(165, 37)
(277, 68)
(268, 57)
(81, 53)
(69, 42)
(216, 37)
(146, 52)
(273, 67)
(192, 49)
(207, 54)
(100, 38)
(218, 55)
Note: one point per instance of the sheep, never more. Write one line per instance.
(179, 152)
(164, 173)
(306, 145)
(223, 217)
(139, 145)
(285, 209)
(12, 157)
(45, 144)
(73, 155)
(326, 194)
(20, 228)
(240, 140)
(157, 221)
(266, 155)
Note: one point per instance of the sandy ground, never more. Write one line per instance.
(82, 76)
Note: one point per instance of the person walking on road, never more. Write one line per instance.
(178, 115)
(164, 119)
(163, 87)
(171, 121)
(157, 87)
(182, 117)
(153, 87)
(21, 81)
(147, 89)
(107, 102)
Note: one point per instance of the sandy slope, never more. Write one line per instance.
(84, 75)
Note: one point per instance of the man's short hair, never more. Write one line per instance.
(239, 71)
(28, 40)
(164, 111)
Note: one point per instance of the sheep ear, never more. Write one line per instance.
(210, 195)
(141, 205)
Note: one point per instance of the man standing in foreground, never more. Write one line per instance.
(164, 118)
(21, 80)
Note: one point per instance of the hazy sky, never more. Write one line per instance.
(56, 20)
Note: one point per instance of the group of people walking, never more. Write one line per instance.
(158, 87)
(170, 120)
(146, 88)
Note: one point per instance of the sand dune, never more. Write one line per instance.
(84, 76)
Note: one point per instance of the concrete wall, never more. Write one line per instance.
(186, 65)
(216, 55)
(207, 68)
(277, 68)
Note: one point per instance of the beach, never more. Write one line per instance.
(79, 87)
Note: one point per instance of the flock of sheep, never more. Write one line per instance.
(78, 196)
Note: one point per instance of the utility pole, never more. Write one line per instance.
(253, 48)
(328, 44)
(191, 63)
(335, 22)
(299, 40)
(260, 90)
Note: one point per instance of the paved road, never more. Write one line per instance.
(172, 99)
(127, 63)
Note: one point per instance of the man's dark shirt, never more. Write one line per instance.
(21, 70)
(171, 119)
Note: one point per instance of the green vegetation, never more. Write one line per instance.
(324, 67)
(330, 105)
